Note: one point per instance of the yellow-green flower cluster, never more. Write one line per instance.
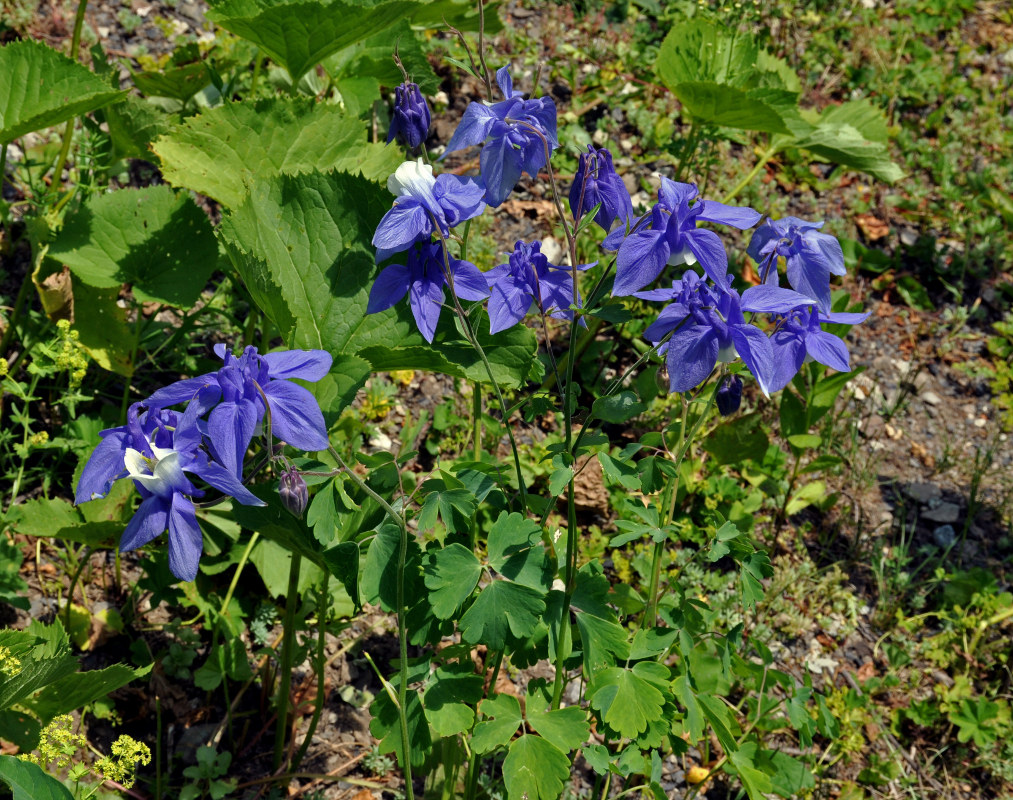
(10, 664)
(121, 766)
(70, 355)
(58, 745)
(4, 367)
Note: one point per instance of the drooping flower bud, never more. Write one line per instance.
(729, 395)
(293, 492)
(597, 182)
(410, 121)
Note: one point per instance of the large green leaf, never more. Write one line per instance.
(853, 135)
(502, 608)
(225, 150)
(153, 238)
(697, 50)
(451, 576)
(627, 699)
(74, 691)
(501, 716)
(371, 58)
(29, 782)
(40, 87)
(300, 34)
(718, 104)
(535, 769)
(302, 245)
(134, 124)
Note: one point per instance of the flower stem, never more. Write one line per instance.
(402, 628)
(287, 652)
(764, 159)
(68, 131)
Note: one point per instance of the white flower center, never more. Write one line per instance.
(159, 475)
(684, 256)
(413, 178)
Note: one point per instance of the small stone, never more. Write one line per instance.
(980, 422)
(944, 536)
(943, 513)
(381, 441)
(552, 250)
(931, 398)
(922, 492)
(599, 137)
(908, 237)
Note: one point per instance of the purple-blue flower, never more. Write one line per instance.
(798, 335)
(156, 449)
(811, 257)
(515, 132)
(729, 396)
(668, 235)
(424, 205)
(597, 182)
(423, 279)
(529, 280)
(706, 326)
(410, 120)
(233, 399)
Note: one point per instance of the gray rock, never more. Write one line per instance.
(943, 513)
(922, 492)
(944, 536)
(931, 398)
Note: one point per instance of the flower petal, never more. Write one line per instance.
(773, 299)
(508, 305)
(755, 350)
(389, 287)
(150, 519)
(405, 223)
(185, 539)
(181, 391)
(469, 281)
(741, 217)
(828, 349)
(500, 164)
(296, 416)
(105, 465)
(309, 365)
(641, 258)
(475, 127)
(709, 251)
(692, 354)
(230, 430)
(224, 481)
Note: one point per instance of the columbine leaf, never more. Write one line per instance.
(501, 717)
(448, 698)
(223, 151)
(566, 728)
(40, 87)
(618, 408)
(300, 33)
(502, 608)
(535, 769)
(451, 576)
(156, 240)
(743, 760)
(385, 725)
(627, 701)
(516, 551)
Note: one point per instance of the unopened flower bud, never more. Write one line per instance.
(293, 492)
(410, 121)
(729, 395)
(597, 182)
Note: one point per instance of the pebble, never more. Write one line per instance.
(943, 513)
(923, 492)
(931, 398)
(552, 250)
(944, 536)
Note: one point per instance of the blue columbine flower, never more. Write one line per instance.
(811, 257)
(410, 120)
(423, 279)
(597, 182)
(515, 132)
(529, 280)
(798, 336)
(156, 449)
(729, 396)
(668, 235)
(707, 326)
(424, 205)
(235, 394)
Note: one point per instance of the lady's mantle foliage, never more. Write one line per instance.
(157, 448)
(529, 280)
(668, 235)
(517, 134)
(423, 279)
(425, 204)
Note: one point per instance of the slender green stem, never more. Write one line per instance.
(73, 582)
(318, 706)
(68, 131)
(239, 571)
(476, 421)
(768, 154)
(158, 748)
(125, 400)
(285, 663)
(3, 180)
(258, 64)
(402, 629)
